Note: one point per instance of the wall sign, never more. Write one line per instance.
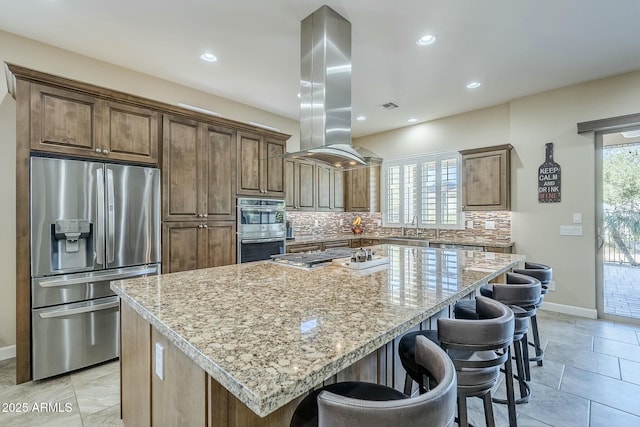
(549, 178)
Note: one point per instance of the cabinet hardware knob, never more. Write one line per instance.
(199, 215)
(105, 151)
(205, 216)
(205, 226)
(199, 225)
(98, 150)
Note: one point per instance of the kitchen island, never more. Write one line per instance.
(239, 345)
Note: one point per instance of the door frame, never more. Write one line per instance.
(599, 224)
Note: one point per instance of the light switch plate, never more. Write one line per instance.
(577, 218)
(470, 224)
(490, 225)
(159, 361)
(571, 230)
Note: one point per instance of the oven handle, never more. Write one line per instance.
(80, 310)
(261, 209)
(274, 239)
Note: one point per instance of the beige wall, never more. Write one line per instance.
(52, 60)
(528, 124)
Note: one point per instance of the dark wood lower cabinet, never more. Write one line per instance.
(190, 245)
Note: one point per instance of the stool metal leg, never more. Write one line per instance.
(536, 342)
(488, 410)
(525, 357)
(408, 385)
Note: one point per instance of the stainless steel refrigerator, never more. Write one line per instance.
(91, 223)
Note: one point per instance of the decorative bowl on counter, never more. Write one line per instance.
(357, 230)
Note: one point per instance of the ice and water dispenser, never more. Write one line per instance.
(71, 244)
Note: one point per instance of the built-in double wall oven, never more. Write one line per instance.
(261, 228)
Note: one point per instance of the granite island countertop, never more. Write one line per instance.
(269, 333)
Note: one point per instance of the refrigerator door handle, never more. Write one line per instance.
(111, 235)
(80, 310)
(99, 240)
(97, 278)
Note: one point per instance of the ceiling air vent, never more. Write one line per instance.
(389, 106)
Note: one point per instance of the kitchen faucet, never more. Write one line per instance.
(414, 221)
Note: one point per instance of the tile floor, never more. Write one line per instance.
(590, 378)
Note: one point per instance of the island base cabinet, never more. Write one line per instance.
(135, 373)
(179, 397)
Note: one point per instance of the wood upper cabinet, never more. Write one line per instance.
(324, 187)
(72, 123)
(300, 180)
(129, 133)
(486, 178)
(329, 188)
(64, 121)
(362, 188)
(191, 245)
(260, 165)
(198, 178)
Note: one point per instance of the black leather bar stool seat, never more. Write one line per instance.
(544, 274)
(373, 405)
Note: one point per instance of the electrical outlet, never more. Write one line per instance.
(379, 223)
(470, 224)
(341, 222)
(551, 285)
(159, 361)
(316, 223)
(490, 225)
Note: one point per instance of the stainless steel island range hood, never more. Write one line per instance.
(325, 80)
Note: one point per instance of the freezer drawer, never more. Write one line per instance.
(73, 336)
(68, 288)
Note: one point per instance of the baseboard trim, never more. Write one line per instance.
(570, 309)
(8, 352)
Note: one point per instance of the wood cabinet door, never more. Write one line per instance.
(338, 190)
(221, 243)
(306, 186)
(182, 246)
(182, 199)
(249, 166)
(358, 190)
(290, 197)
(486, 177)
(219, 158)
(65, 122)
(324, 194)
(130, 133)
(273, 166)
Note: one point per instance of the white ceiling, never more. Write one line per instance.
(514, 48)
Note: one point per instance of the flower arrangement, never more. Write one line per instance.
(357, 227)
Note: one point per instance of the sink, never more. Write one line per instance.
(407, 240)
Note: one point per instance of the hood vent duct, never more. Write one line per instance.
(325, 92)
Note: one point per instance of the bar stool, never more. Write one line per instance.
(477, 347)
(373, 405)
(544, 274)
(521, 293)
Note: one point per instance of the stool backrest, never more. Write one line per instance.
(436, 407)
(542, 272)
(520, 290)
(493, 331)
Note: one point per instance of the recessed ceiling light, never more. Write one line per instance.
(361, 118)
(473, 85)
(412, 120)
(425, 40)
(209, 57)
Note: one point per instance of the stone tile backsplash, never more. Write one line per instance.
(323, 224)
